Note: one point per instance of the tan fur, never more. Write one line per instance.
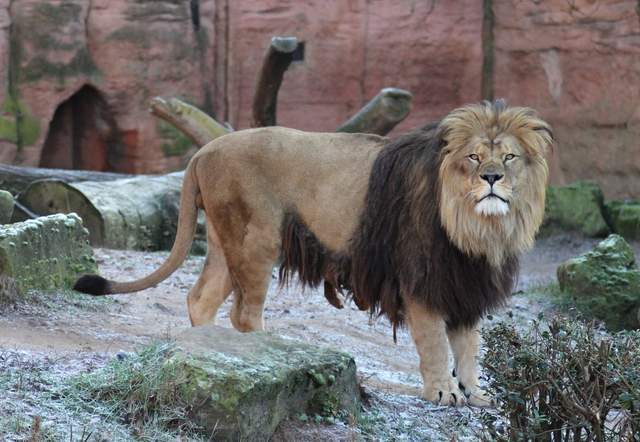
(247, 181)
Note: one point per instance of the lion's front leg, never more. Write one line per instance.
(465, 345)
(430, 336)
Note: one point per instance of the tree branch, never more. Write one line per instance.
(381, 114)
(195, 124)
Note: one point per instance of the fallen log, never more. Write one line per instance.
(15, 178)
(277, 60)
(117, 214)
(381, 114)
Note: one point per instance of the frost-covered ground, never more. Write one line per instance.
(48, 339)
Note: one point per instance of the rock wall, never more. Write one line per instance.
(578, 63)
(77, 74)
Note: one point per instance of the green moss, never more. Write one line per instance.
(624, 218)
(6, 206)
(45, 253)
(135, 34)
(57, 15)
(176, 143)
(148, 11)
(240, 388)
(577, 206)
(17, 125)
(605, 283)
(40, 67)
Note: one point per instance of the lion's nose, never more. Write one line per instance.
(491, 178)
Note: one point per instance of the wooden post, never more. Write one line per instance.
(277, 60)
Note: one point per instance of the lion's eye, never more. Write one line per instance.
(509, 157)
(474, 157)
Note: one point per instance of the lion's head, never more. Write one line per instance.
(493, 177)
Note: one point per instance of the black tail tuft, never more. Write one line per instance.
(93, 285)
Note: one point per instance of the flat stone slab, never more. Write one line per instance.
(242, 385)
(45, 253)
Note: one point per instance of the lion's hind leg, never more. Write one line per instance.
(429, 333)
(213, 285)
(249, 296)
(465, 345)
(251, 259)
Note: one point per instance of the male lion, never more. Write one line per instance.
(426, 228)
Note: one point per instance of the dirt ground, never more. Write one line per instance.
(389, 372)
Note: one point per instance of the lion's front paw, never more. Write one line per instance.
(444, 392)
(477, 397)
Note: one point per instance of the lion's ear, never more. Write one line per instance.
(546, 129)
(442, 143)
(545, 137)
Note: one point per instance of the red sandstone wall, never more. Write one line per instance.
(354, 49)
(577, 62)
(129, 51)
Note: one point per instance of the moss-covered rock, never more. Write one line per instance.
(624, 218)
(605, 283)
(45, 253)
(241, 386)
(577, 206)
(6, 206)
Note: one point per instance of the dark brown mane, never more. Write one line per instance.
(400, 247)
(302, 253)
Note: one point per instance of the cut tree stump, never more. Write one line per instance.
(15, 179)
(45, 253)
(134, 213)
(381, 114)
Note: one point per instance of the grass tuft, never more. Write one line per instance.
(139, 390)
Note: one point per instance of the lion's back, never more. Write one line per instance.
(323, 177)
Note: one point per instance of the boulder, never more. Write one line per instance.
(45, 253)
(242, 385)
(624, 218)
(577, 206)
(6, 207)
(605, 283)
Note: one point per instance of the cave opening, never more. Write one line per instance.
(82, 134)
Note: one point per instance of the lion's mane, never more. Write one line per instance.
(401, 246)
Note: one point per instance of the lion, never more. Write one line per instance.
(425, 229)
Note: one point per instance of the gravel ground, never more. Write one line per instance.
(53, 337)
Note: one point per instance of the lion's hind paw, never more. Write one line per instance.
(479, 398)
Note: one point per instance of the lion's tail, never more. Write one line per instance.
(98, 286)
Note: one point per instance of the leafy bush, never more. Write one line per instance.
(562, 381)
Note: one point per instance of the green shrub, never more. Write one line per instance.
(562, 381)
